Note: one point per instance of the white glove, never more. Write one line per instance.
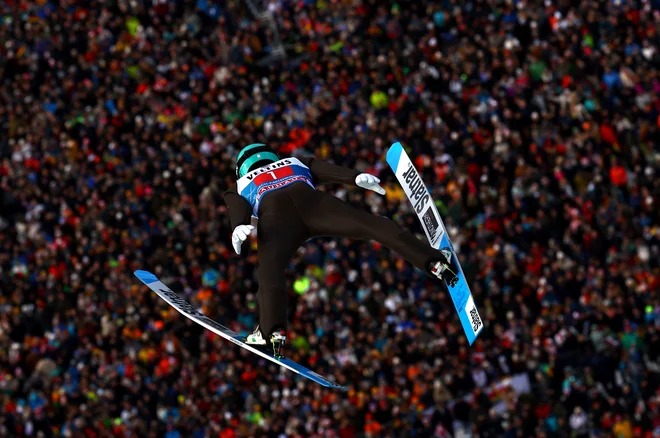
(369, 182)
(239, 236)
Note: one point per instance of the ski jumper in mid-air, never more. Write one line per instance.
(281, 194)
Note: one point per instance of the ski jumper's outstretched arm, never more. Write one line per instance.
(328, 173)
(240, 210)
(240, 215)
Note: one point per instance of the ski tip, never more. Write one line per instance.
(393, 154)
(395, 149)
(145, 276)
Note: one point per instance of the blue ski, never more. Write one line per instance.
(187, 310)
(428, 215)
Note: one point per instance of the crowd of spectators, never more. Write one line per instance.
(536, 125)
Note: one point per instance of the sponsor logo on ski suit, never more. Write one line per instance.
(274, 176)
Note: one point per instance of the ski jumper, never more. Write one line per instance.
(291, 211)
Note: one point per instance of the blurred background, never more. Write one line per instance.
(536, 125)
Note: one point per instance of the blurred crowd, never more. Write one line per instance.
(536, 125)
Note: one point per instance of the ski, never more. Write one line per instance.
(187, 310)
(436, 233)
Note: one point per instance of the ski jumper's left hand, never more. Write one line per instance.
(239, 236)
(369, 182)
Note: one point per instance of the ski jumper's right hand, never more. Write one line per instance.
(369, 182)
(239, 236)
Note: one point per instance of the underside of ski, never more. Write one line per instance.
(187, 310)
(426, 211)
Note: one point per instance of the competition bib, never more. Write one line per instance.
(254, 185)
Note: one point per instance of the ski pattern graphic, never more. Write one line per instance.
(436, 233)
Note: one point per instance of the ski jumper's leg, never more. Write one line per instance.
(326, 215)
(280, 232)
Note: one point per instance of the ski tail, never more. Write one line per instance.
(436, 233)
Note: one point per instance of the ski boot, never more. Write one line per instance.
(443, 269)
(277, 341)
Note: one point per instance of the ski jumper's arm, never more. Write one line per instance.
(328, 173)
(240, 210)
